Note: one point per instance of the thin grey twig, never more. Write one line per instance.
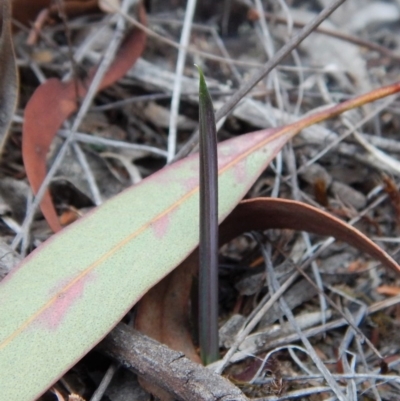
(286, 310)
(297, 360)
(74, 66)
(350, 368)
(180, 64)
(315, 390)
(273, 81)
(94, 189)
(265, 70)
(96, 140)
(359, 376)
(379, 158)
(295, 55)
(384, 51)
(268, 355)
(105, 382)
(363, 358)
(350, 333)
(311, 332)
(87, 44)
(175, 45)
(255, 319)
(153, 96)
(327, 147)
(219, 42)
(295, 394)
(306, 236)
(220, 365)
(82, 159)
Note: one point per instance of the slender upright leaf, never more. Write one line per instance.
(208, 247)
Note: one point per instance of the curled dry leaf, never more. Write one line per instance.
(163, 314)
(53, 102)
(8, 74)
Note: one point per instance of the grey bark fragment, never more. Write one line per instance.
(168, 369)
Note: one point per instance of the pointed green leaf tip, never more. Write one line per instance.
(207, 118)
(203, 90)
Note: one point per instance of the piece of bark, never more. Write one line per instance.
(168, 369)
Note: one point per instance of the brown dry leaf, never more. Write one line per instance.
(163, 313)
(54, 101)
(170, 324)
(267, 213)
(8, 74)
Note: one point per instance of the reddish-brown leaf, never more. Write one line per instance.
(53, 102)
